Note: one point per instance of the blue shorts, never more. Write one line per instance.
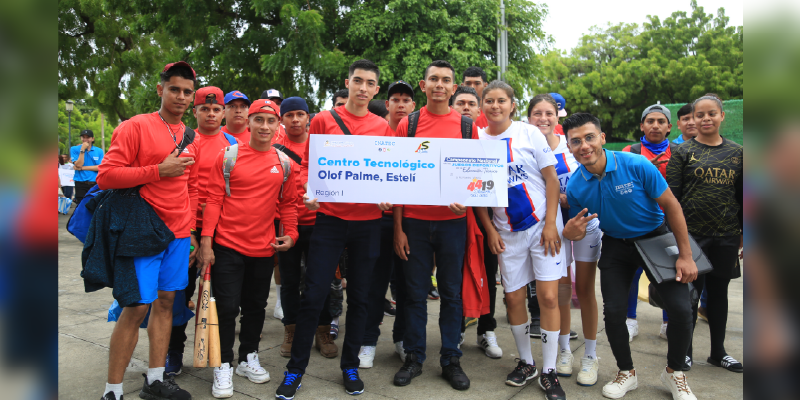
(167, 271)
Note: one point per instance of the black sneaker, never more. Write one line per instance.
(521, 374)
(551, 386)
(411, 369)
(455, 375)
(388, 308)
(352, 383)
(433, 294)
(174, 363)
(573, 335)
(111, 396)
(290, 385)
(535, 329)
(728, 363)
(165, 389)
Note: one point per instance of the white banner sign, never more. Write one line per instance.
(66, 176)
(421, 171)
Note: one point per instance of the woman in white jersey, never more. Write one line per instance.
(543, 113)
(528, 244)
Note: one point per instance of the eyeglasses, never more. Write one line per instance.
(589, 139)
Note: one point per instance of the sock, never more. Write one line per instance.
(549, 350)
(335, 321)
(523, 341)
(590, 348)
(155, 374)
(116, 388)
(563, 342)
(278, 303)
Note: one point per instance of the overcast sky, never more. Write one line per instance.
(567, 21)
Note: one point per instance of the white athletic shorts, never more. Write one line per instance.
(524, 260)
(586, 249)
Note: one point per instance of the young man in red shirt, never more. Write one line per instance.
(421, 231)
(208, 141)
(239, 242)
(145, 152)
(294, 115)
(340, 225)
(236, 107)
(340, 98)
(475, 77)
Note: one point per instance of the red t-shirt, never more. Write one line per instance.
(243, 137)
(245, 221)
(368, 125)
(304, 215)
(434, 126)
(482, 122)
(650, 155)
(208, 148)
(138, 145)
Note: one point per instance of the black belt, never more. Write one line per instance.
(655, 232)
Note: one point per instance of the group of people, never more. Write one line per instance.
(236, 199)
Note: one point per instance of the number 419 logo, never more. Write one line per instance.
(478, 184)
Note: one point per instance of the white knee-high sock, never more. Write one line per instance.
(523, 341)
(563, 343)
(590, 348)
(278, 303)
(549, 350)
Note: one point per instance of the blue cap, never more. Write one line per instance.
(293, 104)
(236, 95)
(561, 103)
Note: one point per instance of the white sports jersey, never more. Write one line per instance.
(528, 153)
(567, 164)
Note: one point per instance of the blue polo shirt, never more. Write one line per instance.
(624, 199)
(678, 140)
(93, 156)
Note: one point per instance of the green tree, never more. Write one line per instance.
(616, 72)
(83, 117)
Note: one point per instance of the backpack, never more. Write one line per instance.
(231, 139)
(229, 161)
(466, 125)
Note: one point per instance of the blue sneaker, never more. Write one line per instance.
(290, 385)
(352, 383)
(174, 363)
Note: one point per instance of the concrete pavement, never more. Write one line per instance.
(84, 337)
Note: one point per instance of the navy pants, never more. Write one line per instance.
(291, 267)
(387, 262)
(330, 237)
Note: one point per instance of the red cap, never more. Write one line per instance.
(177, 64)
(209, 95)
(258, 106)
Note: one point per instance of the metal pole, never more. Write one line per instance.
(102, 133)
(69, 130)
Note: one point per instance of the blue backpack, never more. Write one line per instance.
(78, 224)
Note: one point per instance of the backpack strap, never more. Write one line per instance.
(636, 148)
(231, 139)
(286, 164)
(413, 120)
(466, 127)
(285, 150)
(188, 138)
(339, 122)
(228, 161)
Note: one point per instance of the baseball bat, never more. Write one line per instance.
(214, 356)
(201, 329)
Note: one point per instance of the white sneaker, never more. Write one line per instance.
(489, 343)
(588, 373)
(278, 311)
(663, 332)
(677, 385)
(624, 382)
(367, 356)
(633, 328)
(223, 382)
(252, 369)
(564, 363)
(398, 348)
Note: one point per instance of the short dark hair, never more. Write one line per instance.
(685, 110)
(378, 107)
(578, 120)
(343, 93)
(366, 65)
(462, 90)
(439, 64)
(178, 70)
(473, 72)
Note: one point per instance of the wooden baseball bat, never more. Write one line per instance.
(201, 329)
(214, 355)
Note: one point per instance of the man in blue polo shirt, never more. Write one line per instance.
(625, 191)
(86, 158)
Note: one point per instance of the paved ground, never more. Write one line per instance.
(84, 336)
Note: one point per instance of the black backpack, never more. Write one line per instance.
(466, 125)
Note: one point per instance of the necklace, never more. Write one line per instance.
(174, 138)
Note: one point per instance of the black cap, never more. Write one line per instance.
(400, 86)
(87, 132)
